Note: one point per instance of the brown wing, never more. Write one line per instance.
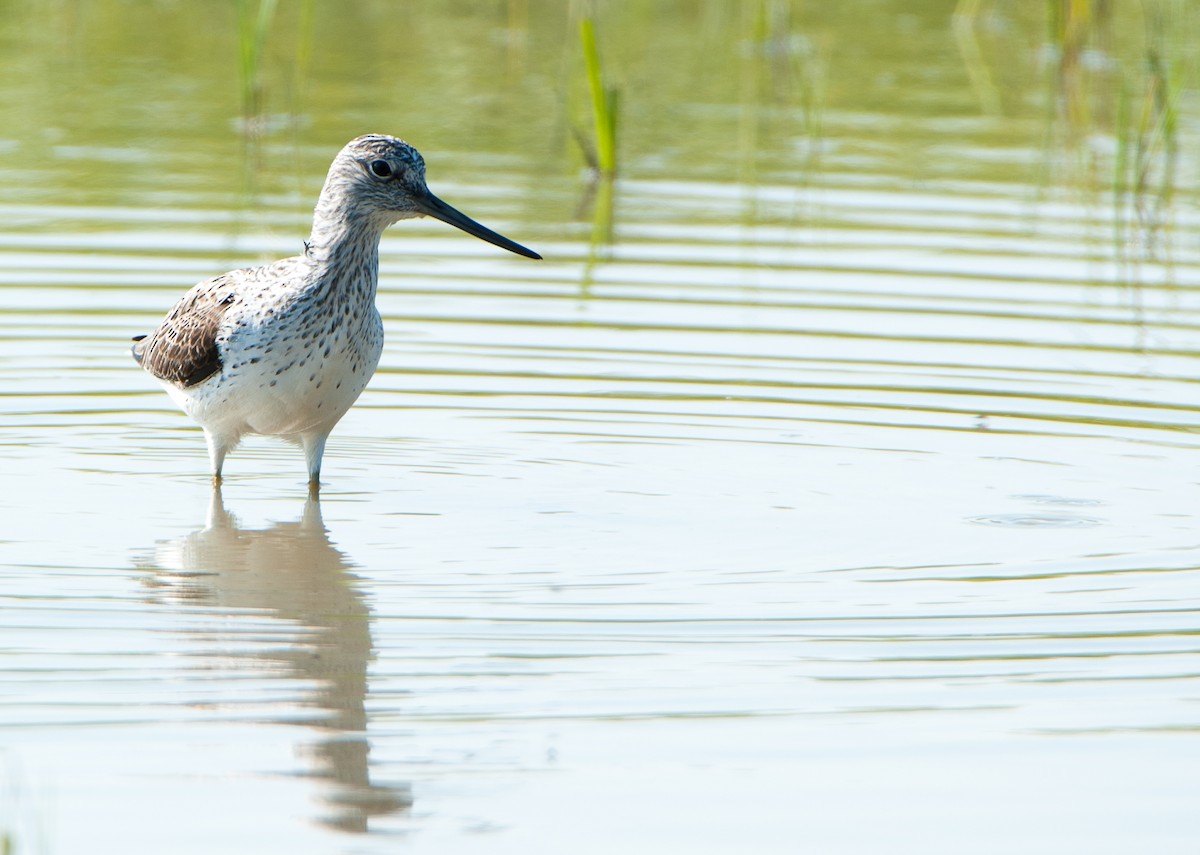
(183, 349)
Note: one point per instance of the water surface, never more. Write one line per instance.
(844, 497)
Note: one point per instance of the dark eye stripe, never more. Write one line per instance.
(381, 168)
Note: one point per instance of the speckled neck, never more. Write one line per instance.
(344, 243)
(340, 230)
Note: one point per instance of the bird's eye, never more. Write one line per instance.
(381, 169)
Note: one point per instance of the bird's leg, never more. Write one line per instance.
(218, 447)
(314, 449)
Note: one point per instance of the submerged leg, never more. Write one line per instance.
(314, 449)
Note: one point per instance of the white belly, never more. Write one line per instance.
(285, 385)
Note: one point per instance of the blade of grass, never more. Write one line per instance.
(252, 35)
(604, 101)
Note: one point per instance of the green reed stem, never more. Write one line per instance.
(252, 35)
(604, 102)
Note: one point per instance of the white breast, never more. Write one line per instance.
(287, 375)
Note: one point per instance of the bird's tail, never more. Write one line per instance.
(136, 349)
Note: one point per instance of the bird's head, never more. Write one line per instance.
(383, 178)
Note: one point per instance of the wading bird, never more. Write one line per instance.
(285, 349)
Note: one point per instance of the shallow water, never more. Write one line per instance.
(844, 502)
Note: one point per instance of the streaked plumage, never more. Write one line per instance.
(285, 349)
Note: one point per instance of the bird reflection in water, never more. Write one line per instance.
(293, 571)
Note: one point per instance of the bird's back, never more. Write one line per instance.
(183, 349)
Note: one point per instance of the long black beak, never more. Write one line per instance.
(435, 207)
